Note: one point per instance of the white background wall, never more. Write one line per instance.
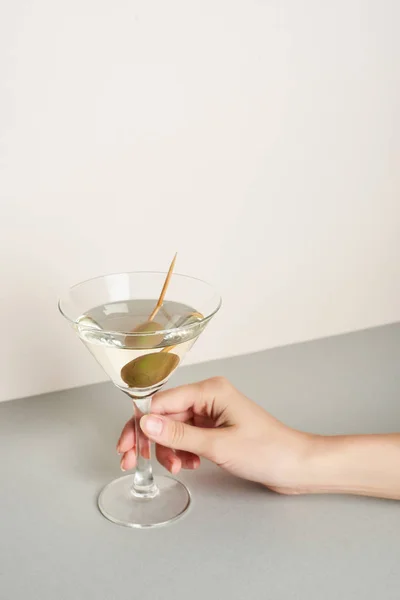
(260, 139)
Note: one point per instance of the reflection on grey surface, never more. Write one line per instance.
(238, 540)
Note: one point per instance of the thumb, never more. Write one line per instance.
(178, 435)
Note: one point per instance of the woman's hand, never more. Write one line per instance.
(212, 419)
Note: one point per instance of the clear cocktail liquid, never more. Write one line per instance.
(103, 330)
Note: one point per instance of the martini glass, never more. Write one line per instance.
(108, 314)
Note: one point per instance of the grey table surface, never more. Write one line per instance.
(238, 540)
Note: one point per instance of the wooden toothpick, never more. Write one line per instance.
(164, 289)
(195, 315)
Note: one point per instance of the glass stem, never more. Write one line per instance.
(144, 485)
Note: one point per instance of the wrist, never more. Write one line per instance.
(323, 466)
(293, 471)
(309, 467)
(319, 470)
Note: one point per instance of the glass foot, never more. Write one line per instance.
(118, 503)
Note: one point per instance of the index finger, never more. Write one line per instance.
(203, 398)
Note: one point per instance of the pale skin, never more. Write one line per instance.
(212, 419)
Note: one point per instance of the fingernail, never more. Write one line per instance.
(152, 425)
(121, 464)
(173, 467)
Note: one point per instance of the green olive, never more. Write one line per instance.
(146, 340)
(148, 370)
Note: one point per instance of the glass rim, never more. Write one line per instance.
(189, 326)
